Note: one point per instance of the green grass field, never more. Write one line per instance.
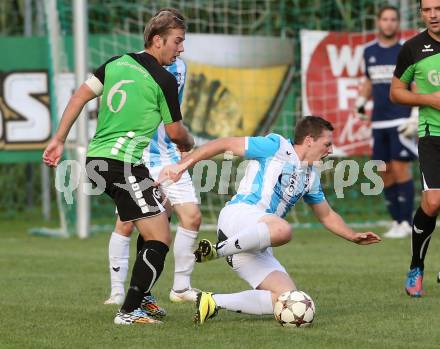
(52, 292)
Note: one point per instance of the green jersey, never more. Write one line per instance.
(419, 61)
(138, 93)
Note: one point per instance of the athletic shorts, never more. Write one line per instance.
(429, 162)
(180, 192)
(252, 266)
(132, 189)
(389, 145)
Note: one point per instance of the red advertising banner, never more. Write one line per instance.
(332, 67)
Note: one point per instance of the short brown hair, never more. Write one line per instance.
(386, 8)
(163, 21)
(311, 126)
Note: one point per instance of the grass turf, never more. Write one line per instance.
(52, 294)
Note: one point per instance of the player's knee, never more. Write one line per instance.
(191, 220)
(279, 292)
(432, 206)
(283, 232)
(124, 228)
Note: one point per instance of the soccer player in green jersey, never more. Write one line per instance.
(137, 95)
(419, 61)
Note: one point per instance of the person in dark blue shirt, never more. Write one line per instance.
(392, 127)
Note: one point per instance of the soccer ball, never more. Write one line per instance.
(294, 309)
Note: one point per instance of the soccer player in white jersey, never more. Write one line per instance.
(181, 195)
(280, 174)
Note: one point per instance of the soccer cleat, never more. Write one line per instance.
(149, 305)
(438, 277)
(206, 307)
(186, 295)
(117, 298)
(414, 283)
(137, 316)
(205, 252)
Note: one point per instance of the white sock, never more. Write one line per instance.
(118, 253)
(256, 237)
(184, 261)
(255, 302)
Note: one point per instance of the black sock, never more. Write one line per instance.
(139, 243)
(146, 271)
(423, 226)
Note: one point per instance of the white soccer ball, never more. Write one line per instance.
(294, 309)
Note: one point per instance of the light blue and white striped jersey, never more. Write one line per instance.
(275, 179)
(162, 151)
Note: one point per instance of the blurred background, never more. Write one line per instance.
(254, 67)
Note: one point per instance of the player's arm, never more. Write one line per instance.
(365, 90)
(399, 93)
(179, 135)
(403, 77)
(54, 149)
(334, 222)
(235, 145)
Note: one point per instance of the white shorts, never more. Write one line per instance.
(180, 192)
(251, 266)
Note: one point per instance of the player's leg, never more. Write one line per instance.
(403, 152)
(267, 230)
(149, 261)
(382, 151)
(263, 273)
(402, 172)
(149, 302)
(118, 255)
(259, 301)
(426, 215)
(142, 206)
(182, 196)
(189, 217)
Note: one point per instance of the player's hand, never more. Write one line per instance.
(366, 238)
(360, 108)
(410, 127)
(53, 152)
(435, 100)
(172, 173)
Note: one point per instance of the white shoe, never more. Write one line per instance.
(406, 228)
(186, 295)
(117, 298)
(391, 231)
(397, 231)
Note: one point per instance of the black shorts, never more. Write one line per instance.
(429, 157)
(131, 187)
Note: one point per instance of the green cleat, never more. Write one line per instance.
(206, 307)
(205, 252)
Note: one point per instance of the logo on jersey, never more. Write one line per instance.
(294, 184)
(434, 77)
(427, 48)
(372, 59)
